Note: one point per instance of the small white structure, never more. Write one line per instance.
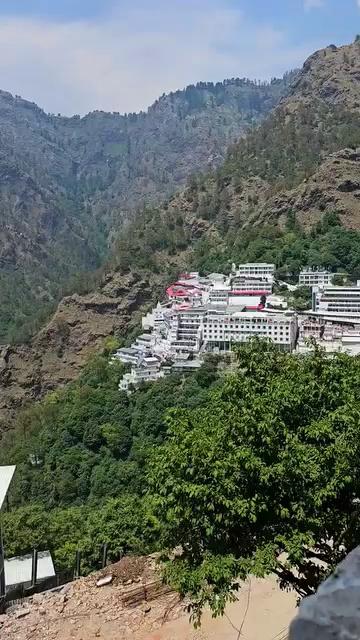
(18, 569)
(148, 370)
(127, 355)
(312, 277)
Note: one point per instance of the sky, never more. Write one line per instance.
(74, 56)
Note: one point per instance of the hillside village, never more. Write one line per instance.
(212, 314)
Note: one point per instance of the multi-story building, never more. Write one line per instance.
(337, 301)
(148, 370)
(128, 355)
(243, 283)
(309, 277)
(219, 295)
(222, 329)
(263, 270)
(185, 332)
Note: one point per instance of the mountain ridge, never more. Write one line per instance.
(298, 167)
(67, 184)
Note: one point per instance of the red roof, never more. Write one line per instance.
(182, 290)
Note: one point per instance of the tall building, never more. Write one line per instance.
(256, 269)
(262, 286)
(337, 302)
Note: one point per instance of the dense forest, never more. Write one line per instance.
(235, 464)
(81, 458)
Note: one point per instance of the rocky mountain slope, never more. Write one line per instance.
(66, 184)
(301, 161)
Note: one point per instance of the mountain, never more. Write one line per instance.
(288, 192)
(68, 184)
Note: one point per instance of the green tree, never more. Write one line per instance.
(263, 477)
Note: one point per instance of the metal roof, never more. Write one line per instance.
(18, 569)
(6, 474)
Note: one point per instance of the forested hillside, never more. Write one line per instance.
(287, 192)
(234, 467)
(67, 184)
(82, 456)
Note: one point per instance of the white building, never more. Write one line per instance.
(219, 294)
(309, 277)
(128, 355)
(148, 370)
(256, 269)
(144, 342)
(337, 301)
(185, 332)
(246, 284)
(221, 329)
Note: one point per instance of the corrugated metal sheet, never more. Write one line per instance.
(6, 474)
(18, 570)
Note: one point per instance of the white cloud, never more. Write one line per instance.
(358, 3)
(314, 4)
(123, 62)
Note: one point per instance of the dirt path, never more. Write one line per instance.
(263, 612)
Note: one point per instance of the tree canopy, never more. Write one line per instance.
(263, 477)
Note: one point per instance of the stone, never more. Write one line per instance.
(146, 608)
(102, 582)
(333, 613)
(22, 613)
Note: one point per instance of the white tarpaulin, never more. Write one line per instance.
(6, 474)
(18, 570)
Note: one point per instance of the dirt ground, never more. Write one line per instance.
(85, 611)
(262, 612)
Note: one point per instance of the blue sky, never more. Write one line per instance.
(73, 56)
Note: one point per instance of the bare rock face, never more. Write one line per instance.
(78, 329)
(334, 612)
(335, 186)
(333, 74)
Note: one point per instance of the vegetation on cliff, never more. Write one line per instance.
(263, 478)
(81, 458)
(68, 184)
(236, 467)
